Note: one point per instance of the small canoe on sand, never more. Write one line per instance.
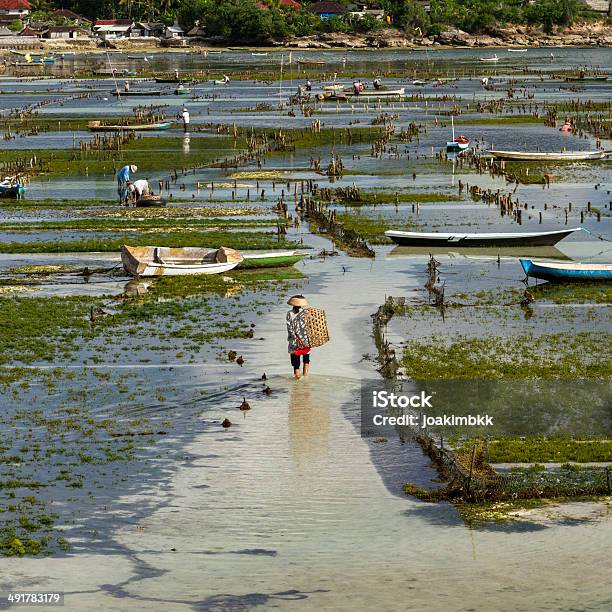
(271, 259)
(567, 271)
(165, 261)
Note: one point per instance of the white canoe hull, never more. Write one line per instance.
(382, 93)
(541, 156)
(460, 239)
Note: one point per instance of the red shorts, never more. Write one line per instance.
(302, 351)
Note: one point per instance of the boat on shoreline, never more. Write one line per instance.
(98, 126)
(542, 156)
(166, 261)
(461, 239)
(271, 259)
(511, 50)
(567, 271)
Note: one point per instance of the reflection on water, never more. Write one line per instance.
(308, 422)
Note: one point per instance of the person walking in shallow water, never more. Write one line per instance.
(296, 335)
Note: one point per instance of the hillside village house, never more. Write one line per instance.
(14, 9)
(174, 31)
(64, 32)
(146, 30)
(113, 28)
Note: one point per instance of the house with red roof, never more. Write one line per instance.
(17, 9)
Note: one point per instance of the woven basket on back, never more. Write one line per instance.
(316, 326)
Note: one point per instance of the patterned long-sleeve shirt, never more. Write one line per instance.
(296, 330)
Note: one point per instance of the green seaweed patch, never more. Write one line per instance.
(573, 293)
(542, 449)
(134, 224)
(550, 356)
(204, 239)
(372, 228)
(372, 198)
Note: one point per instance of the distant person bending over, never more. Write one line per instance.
(308, 85)
(377, 84)
(296, 335)
(139, 188)
(123, 178)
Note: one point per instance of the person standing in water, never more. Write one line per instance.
(185, 118)
(296, 335)
(123, 178)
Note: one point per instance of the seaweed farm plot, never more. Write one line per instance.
(102, 414)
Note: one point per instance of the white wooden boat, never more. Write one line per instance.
(478, 240)
(489, 59)
(98, 126)
(381, 93)
(517, 50)
(165, 261)
(554, 156)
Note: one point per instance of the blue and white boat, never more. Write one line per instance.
(567, 271)
(11, 189)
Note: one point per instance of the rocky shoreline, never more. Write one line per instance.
(584, 35)
(593, 34)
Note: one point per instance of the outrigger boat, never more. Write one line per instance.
(310, 63)
(271, 259)
(130, 93)
(479, 240)
(458, 144)
(380, 93)
(178, 80)
(98, 126)
(165, 261)
(555, 156)
(567, 271)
